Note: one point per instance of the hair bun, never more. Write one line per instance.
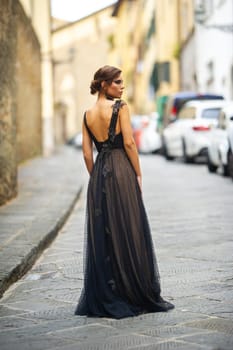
(95, 86)
(105, 73)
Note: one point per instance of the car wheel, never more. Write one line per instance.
(167, 156)
(224, 167)
(165, 152)
(230, 163)
(211, 167)
(187, 159)
(225, 170)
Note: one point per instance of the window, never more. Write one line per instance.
(210, 113)
(151, 30)
(160, 72)
(154, 79)
(187, 113)
(164, 71)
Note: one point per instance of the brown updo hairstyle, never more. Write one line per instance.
(105, 73)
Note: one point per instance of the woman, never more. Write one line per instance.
(121, 274)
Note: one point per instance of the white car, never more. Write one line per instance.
(76, 140)
(219, 146)
(147, 138)
(230, 152)
(188, 135)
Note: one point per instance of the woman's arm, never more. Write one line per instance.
(129, 143)
(87, 149)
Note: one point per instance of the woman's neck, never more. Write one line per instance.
(105, 97)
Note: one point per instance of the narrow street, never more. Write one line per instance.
(190, 213)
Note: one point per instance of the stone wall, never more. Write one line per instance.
(8, 167)
(20, 97)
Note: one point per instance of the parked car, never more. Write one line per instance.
(230, 153)
(175, 102)
(219, 146)
(188, 136)
(145, 133)
(137, 123)
(76, 140)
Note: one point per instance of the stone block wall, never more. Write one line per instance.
(8, 164)
(20, 94)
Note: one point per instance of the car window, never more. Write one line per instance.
(187, 113)
(210, 113)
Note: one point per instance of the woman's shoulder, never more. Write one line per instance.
(122, 104)
(123, 107)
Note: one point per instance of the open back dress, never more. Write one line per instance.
(121, 276)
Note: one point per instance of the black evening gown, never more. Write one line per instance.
(121, 276)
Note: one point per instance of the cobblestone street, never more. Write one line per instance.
(190, 213)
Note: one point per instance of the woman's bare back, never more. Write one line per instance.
(98, 119)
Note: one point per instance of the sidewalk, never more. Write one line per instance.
(48, 188)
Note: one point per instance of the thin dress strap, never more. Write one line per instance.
(112, 127)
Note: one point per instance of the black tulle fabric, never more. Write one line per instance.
(121, 276)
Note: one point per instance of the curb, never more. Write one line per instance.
(28, 261)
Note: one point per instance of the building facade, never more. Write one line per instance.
(168, 43)
(207, 49)
(79, 49)
(188, 74)
(135, 52)
(214, 46)
(40, 15)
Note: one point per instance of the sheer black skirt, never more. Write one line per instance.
(121, 276)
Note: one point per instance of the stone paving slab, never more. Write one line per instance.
(195, 263)
(48, 189)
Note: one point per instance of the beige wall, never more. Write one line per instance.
(186, 9)
(146, 43)
(188, 54)
(39, 13)
(168, 42)
(124, 51)
(79, 49)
